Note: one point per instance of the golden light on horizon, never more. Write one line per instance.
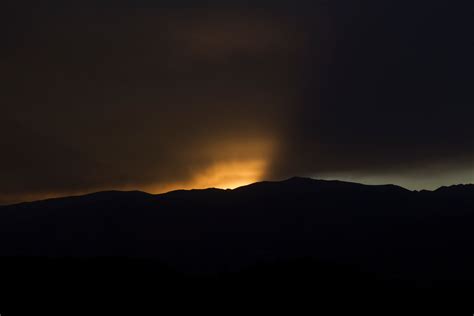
(235, 164)
(230, 175)
(225, 164)
(224, 175)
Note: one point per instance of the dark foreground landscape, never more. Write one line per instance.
(300, 245)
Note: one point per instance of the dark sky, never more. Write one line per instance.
(159, 95)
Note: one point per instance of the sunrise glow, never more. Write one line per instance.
(223, 175)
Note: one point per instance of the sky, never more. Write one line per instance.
(164, 95)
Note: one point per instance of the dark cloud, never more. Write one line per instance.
(389, 90)
(155, 96)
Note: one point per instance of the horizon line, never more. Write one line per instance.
(87, 193)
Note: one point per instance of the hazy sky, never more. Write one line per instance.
(159, 95)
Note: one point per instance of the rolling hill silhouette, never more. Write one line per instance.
(343, 239)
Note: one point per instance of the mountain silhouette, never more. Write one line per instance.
(342, 238)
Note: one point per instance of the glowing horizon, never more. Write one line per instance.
(223, 175)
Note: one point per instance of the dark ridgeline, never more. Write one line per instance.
(296, 243)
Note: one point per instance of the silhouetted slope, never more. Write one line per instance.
(381, 236)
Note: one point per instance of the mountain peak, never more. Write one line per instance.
(457, 188)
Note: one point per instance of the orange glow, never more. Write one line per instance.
(225, 175)
(232, 162)
(233, 166)
(229, 175)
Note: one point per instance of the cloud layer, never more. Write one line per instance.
(155, 98)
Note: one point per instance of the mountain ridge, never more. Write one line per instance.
(292, 181)
(344, 239)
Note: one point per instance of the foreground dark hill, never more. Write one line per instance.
(340, 237)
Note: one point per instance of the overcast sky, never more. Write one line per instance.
(160, 95)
